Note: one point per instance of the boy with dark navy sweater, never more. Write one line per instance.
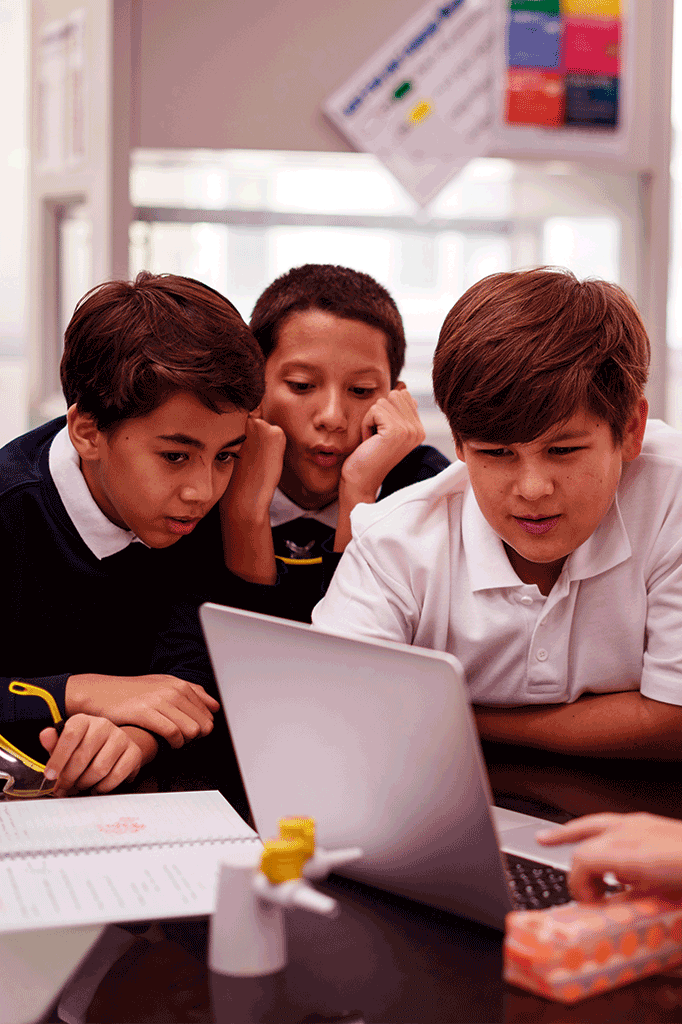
(105, 526)
(336, 428)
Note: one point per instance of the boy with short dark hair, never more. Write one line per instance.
(549, 562)
(337, 428)
(105, 521)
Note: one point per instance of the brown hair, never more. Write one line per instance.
(345, 293)
(129, 346)
(521, 352)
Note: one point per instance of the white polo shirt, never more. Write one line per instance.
(425, 568)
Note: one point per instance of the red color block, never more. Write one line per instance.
(534, 97)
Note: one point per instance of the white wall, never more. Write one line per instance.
(228, 74)
(13, 169)
(13, 162)
(223, 74)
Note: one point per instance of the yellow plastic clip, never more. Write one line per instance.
(29, 690)
(299, 828)
(283, 859)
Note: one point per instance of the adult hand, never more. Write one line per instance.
(90, 753)
(391, 429)
(643, 851)
(170, 707)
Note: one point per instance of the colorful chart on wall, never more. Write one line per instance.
(564, 64)
(424, 102)
(545, 78)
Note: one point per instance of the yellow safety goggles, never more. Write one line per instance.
(24, 776)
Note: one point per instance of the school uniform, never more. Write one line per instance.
(80, 594)
(425, 568)
(304, 542)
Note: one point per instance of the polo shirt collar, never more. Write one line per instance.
(284, 510)
(487, 562)
(488, 565)
(101, 536)
(608, 546)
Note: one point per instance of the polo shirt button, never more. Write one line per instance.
(526, 599)
(542, 654)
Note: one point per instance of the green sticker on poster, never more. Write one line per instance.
(539, 6)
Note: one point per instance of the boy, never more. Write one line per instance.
(337, 428)
(549, 561)
(105, 525)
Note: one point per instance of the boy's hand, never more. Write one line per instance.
(245, 506)
(90, 753)
(390, 431)
(170, 707)
(256, 472)
(643, 851)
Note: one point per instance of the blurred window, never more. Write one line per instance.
(237, 219)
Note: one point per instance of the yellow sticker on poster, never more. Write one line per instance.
(593, 8)
(420, 112)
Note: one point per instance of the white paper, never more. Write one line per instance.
(424, 103)
(107, 886)
(118, 820)
(126, 857)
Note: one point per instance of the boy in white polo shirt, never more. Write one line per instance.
(549, 559)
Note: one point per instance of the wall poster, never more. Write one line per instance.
(542, 78)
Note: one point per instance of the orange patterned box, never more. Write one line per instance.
(580, 950)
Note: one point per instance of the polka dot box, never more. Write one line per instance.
(578, 950)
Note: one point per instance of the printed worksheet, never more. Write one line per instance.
(71, 889)
(126, 857)
(117, 820)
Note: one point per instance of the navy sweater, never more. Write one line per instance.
(306, 561)
(63, 611)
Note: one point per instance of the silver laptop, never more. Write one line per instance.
(377, 742)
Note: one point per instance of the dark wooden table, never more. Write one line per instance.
(583, 785)
(388, 959)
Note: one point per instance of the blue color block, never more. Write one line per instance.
(534, 40)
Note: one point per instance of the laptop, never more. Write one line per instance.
(376, 741)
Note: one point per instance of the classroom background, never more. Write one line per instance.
(193, 142)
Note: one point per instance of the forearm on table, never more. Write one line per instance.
(79, 694)
(596, 725)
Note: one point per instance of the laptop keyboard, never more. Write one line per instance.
(534, 886)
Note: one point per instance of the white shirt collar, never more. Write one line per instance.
(489, 566)
(284, 510)
(487, 561)
(606, 548)
(101, 535)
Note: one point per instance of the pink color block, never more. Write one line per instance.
(592, 46)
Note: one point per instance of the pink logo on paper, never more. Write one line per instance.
(122, 827)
